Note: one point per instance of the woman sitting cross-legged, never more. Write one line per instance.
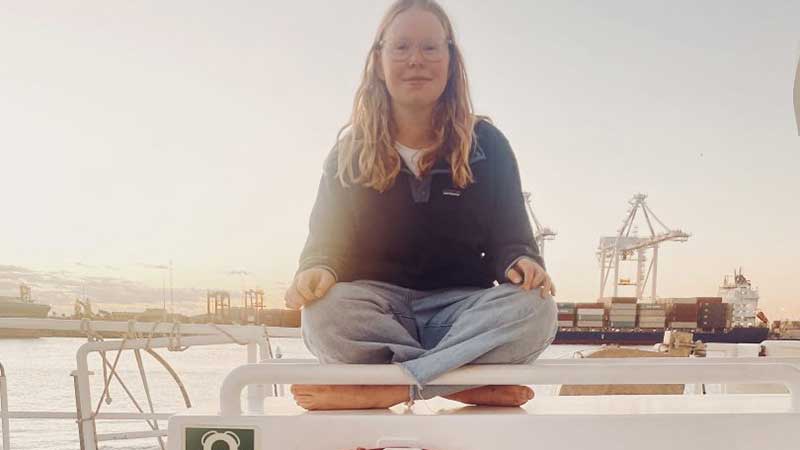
(418, 213)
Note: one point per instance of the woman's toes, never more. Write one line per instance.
(298, 389)
(524, 393)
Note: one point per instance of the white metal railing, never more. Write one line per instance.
(553, 371)
(154, 328)
(137, 336)
(256, 338)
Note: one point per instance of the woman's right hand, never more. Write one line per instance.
(309, 285)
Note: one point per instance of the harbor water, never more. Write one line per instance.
(38, 375)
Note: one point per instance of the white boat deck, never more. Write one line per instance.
(603, 422)
(553, 405)
(598, 422)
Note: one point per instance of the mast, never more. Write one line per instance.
(797, 96)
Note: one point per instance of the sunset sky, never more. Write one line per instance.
(135, 133)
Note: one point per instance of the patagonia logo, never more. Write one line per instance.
(452, 192)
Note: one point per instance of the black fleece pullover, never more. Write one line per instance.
(425, 234)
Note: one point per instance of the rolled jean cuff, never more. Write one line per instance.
(441, 390)
(417, 393)
(420, 391)
(412, 395)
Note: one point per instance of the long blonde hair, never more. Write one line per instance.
(369, 141)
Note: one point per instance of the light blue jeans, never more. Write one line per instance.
(429, 333)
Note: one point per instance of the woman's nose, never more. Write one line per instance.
(416, 56)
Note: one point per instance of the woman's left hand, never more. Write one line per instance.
(531, 275)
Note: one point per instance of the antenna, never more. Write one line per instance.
(171, 294)
(163, 291)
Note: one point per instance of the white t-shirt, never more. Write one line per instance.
(411, 157)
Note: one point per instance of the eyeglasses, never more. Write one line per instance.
(401, 49)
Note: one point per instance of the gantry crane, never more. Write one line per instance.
(625, 244)
(540, 233)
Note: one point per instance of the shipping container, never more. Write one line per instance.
(651, 306)
(683, 324)
(590, 311)
(624, 306)
(682, 301)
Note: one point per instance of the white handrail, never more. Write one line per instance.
(63, 415)
(555, 371)
(85, 413)
(131, 435)
(256, 339)
(104, 326)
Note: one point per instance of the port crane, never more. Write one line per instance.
(628, 246)
(540, 233)
(83, 308)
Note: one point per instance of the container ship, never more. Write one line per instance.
(22, 306)
(730, 317)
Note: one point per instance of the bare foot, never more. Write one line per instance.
(325, 397)
(494, 395)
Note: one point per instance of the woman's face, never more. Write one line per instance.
(414, 59)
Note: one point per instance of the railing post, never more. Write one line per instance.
(794, 391)
(265, 354)
(87, 430)
(255, 392)
(5, 429)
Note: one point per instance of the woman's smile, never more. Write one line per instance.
(417, 81)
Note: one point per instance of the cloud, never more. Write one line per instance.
(12, 269)
(154, 266)
(89, 266)
(60, 289)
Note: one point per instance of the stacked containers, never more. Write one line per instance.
(270, 317)
(729, 315)
(684, 313)
(566, 315)
(713, 314)
(652, 315)
(590, 315)
(622, 313)
(279, 318)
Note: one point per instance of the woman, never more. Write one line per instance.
(419, 211)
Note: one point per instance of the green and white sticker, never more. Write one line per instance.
(220, 439)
